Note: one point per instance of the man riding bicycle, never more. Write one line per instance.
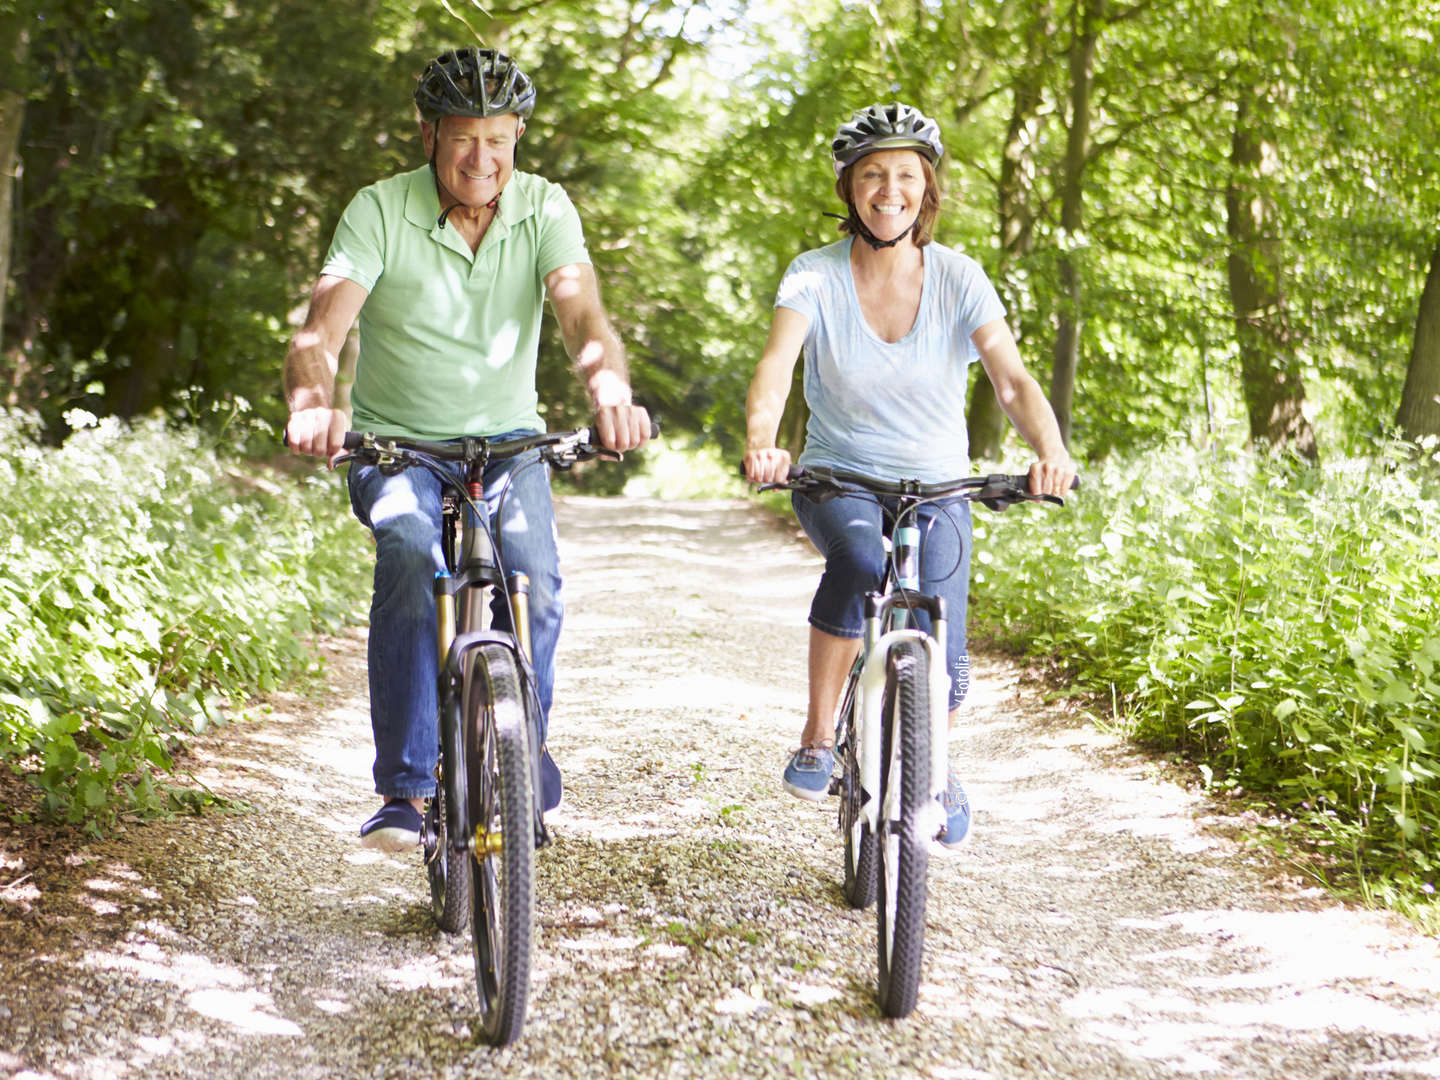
(447, 268)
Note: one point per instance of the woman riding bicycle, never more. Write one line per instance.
(889, 327)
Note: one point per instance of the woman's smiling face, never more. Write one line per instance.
(887, 188)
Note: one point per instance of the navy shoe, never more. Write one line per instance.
(552, 788)
(395, 827)
(957, 813)
(807, 775)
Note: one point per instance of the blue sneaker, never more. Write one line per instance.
(552, 788)
(957, 813)
(807, 776)
(394, 827)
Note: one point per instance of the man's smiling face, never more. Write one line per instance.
(474, 156)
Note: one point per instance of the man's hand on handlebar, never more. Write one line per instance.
(318, 432)
(770, 465)
(622, 427)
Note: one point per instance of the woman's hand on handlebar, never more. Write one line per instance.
(318, 432)
(1052, 476)
(768, 465)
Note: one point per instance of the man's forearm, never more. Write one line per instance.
(600, 359)
(309, 377)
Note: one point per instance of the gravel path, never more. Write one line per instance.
(1104, 923)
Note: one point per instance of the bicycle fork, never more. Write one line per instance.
(454, 595)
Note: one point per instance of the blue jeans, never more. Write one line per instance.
(849, 532)
(403, 513)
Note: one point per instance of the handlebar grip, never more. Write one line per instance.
(592, 436)
(1022, 481)
(353, 439)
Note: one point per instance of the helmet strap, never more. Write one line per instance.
(859, 228)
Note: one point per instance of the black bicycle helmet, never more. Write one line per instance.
(885, 127)
(455, 84)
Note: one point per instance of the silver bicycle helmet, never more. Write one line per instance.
(885, 127)
(473, 82)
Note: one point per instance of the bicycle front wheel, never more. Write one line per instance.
(904, 850)
(501, 805)
(859, 885)
(447, 869)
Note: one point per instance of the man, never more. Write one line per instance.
(447, 268)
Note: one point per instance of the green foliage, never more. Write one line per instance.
(180, 163)
(148, 588)
(1280, 625)
(1159, 354)
(183, 167)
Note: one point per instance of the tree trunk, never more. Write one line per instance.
(1077, 151)
(1269, 360)
(984, 419)
(14, 44)
(1420, 400)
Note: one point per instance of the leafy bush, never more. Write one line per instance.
(1281, 625)
(147, 588)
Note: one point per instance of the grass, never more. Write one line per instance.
(1279, 626)
(148, 588)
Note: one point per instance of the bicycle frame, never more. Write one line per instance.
(489, 717)
(460, 592)
(887, 621)
(888, 812)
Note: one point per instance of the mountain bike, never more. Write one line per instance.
(892, 726)
(482, 827)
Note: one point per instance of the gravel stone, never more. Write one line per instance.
(1104, 922)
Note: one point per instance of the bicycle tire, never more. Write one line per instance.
(501, 801)
(904, 852)
(448, 870)
(859, 882)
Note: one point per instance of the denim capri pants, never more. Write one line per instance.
(849, 532)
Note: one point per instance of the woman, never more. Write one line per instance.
(889, 326)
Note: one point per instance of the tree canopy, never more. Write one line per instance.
(1203, 218)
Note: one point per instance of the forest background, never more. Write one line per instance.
(1215, 225)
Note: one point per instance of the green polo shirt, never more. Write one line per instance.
(449, 337)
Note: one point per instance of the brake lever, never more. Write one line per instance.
(566, 455)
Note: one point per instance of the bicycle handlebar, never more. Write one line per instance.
(996, 490)
(560, 448)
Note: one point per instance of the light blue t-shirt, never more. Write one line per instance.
(449, 337)
(894, 410)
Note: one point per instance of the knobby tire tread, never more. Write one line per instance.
(448, 871)
(901, 926)
(502, 889)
